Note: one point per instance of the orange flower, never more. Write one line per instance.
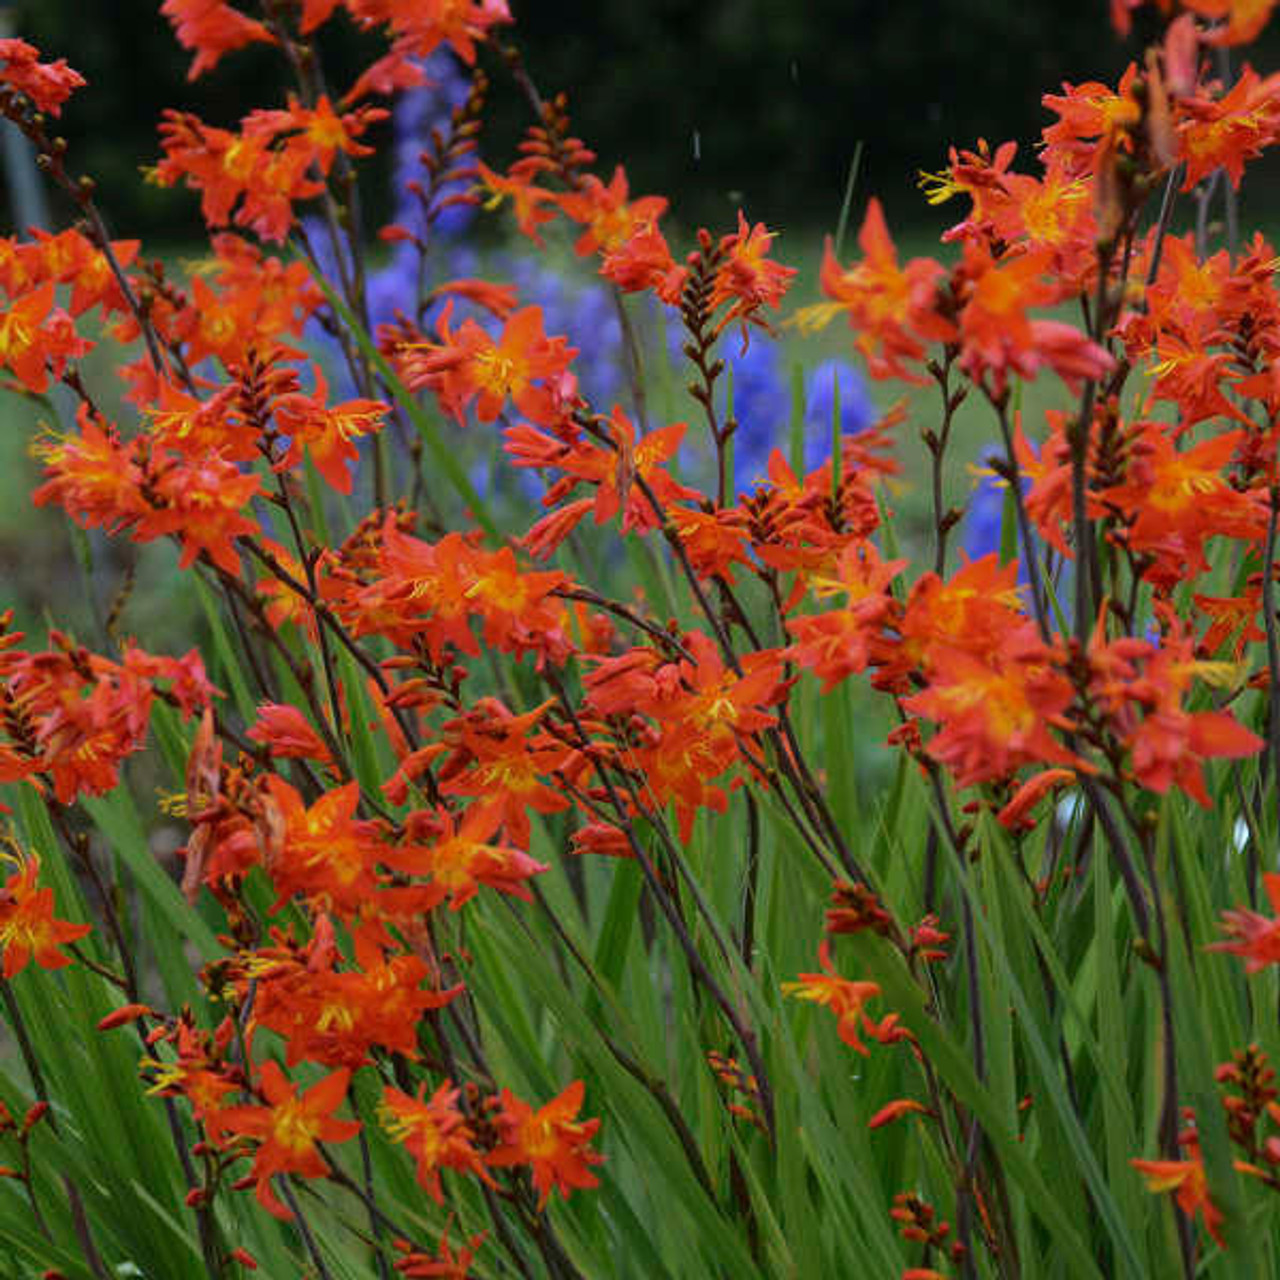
(895, 1111)
(28, 930)
(469, 365)
(891, 308)
(1254, 936)
(1245, 19)
(551, 1141)
(92, 474)
(434, 1132)
(461, 858)
(529, 202)
(329, 434)
(845, 998)
(994, 714)
(1177, 499)
(998, 338)
(286, 733)
(609, 216)
(47, 84)
(211, 28)
(201, 503)
(324, 853)
(747, 277)
(1186, 1178)
(288, 1128)
(1234, 129)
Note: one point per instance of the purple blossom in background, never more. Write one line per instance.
(762, 406)
(985, 517)
(857, 412)
(984, 522)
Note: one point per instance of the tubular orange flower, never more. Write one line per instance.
(748, 278)
(892, 309)
(287, 1129)
(551, 1141)
(28, 930)
(1186, 1179)
(1254, 936)
(212, 28)
(434, 1132)
(462, 858)
(47, 84)
(845, 998)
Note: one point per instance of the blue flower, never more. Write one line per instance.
(985, 518)
(857, 412)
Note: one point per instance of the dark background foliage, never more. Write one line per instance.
(758, 103)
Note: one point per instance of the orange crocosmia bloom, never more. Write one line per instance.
(497, 299)
(202, 504)
(551, 1141)
(328, 434)
(714, 541)
(334, 1018)
(748, 278)
(998, 338)
(319, 133)
(835, 645)
(632, 460)
(1141, 688)
(212, 28)
(1089, 114)
(1176, 499)
(1254, 936)
(609, 217)
(1231, 614)
(1190, 376)
(23, 347)
(892, 309)
(92, 475)
(287, 1129)
(434, 1132)
(895, 1111)
(445, 1263)
(325, 853)
(1227, 132)
(974, 611)
(71, 258)
(1245, 19)
(532, 205)
(845, 998)
(284, 604)
(198, 1073)
(994, 713)
(460, 858)
(643, 261)
(718, 703)
(195, 427)
(420, 26)
(47, 84)
(1186, 1179)
(285, 731)
(494, 760)
(28, 930)
(1016, 813)
(469, 365)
